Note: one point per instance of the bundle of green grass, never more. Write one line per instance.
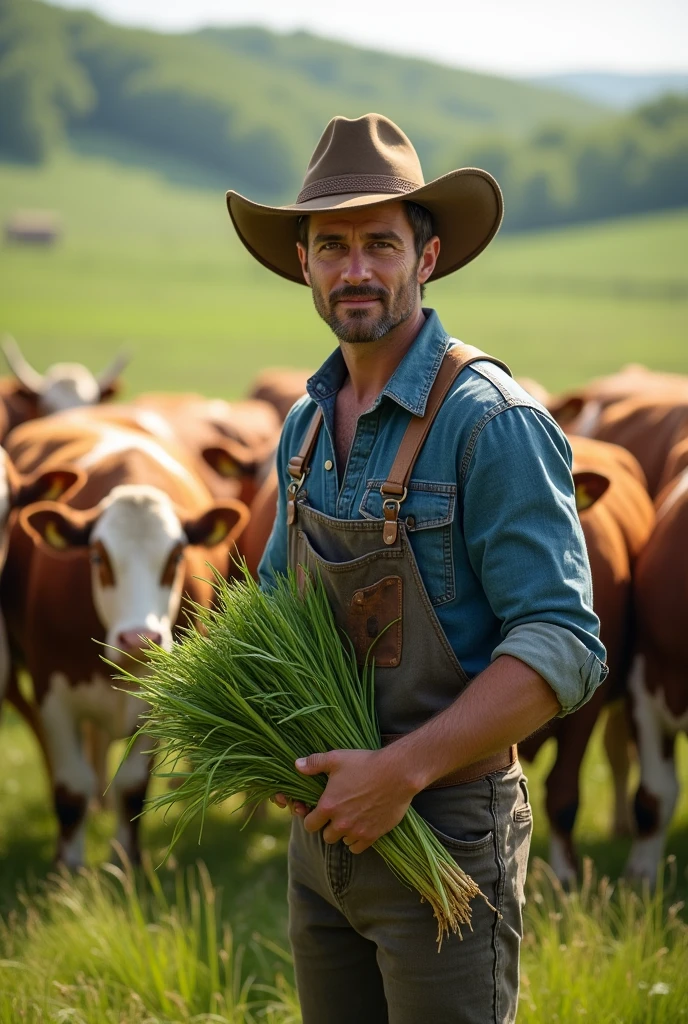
(262, 679)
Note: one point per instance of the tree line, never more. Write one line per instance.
(249, 105)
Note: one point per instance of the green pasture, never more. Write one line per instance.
(155, 267)
(100, 950)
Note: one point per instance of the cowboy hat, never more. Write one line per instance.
(364, 162)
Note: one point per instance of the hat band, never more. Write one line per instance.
(345, 183)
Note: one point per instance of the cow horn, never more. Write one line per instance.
(107, 378)
(29, 378)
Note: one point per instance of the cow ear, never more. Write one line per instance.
(111, 391)
(219, 523)
(57, 527)
(566, 410)
(589, 488)
(230, 461)
(47, 486)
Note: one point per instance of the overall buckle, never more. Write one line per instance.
(292, 490)
(391, 506)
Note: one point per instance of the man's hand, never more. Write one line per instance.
(295, 806)
(366, 795)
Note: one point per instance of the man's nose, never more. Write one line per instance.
(356, 270)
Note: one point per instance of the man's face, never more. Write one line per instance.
(363, 270)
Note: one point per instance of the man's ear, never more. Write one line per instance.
(589, 488)
(45, 486)
(428, 260)
(57, 527)
(303, 260)
(222, 522)
(231, 460)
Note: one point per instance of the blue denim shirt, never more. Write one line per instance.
(490, 511)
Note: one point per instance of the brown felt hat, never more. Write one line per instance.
(368, 161)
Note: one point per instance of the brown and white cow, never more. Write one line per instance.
(16, 491)
(579, 411)
(616, 515)
(111, 565)
(28, 393)
(648, 427)
(658, 681)
(280, 387)
(233, 443)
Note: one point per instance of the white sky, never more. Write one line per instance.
(512, 37)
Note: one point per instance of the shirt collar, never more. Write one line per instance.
(410, 383)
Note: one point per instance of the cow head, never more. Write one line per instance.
(64, 385)
(136, 540)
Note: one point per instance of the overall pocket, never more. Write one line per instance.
(428, 513)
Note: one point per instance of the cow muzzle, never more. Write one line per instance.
(136, 641)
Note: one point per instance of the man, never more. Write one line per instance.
(433, 498)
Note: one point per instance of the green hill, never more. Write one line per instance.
(244, 103)
(155, 267)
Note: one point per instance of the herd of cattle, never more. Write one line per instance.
(110, 513)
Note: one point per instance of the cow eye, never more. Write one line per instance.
(98, 557)
(170, 570)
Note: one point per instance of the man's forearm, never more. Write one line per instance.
(504, 704)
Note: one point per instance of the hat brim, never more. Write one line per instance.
(466, 206)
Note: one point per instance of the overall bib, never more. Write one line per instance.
(364, 945)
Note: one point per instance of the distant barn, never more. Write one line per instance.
(36, 227)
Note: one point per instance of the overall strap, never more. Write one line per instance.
(298, 464)
(394, 489)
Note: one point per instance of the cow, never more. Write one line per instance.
(617, 516)
(233, 443)
(658, 682)
(579, 411)
(16, 491)
(29, 394)
(256, 535)
(650, 428)
(109, 565)
(280, 387)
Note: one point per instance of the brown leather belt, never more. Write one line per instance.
(470, 772)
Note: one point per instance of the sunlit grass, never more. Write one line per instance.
(109, 947)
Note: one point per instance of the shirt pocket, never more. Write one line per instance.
(428, 513)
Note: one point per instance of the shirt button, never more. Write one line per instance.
(410, 521)
(328, 464)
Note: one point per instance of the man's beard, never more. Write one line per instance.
(362, 325)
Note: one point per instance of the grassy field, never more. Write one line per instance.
(155, 267)
(106, 950)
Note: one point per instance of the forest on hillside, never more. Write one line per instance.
(248, 105)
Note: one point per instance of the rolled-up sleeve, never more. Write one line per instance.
(526, 545)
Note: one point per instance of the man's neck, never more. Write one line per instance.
(371, 364)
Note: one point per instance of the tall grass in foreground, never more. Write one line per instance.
(603, 953)
(108, 948)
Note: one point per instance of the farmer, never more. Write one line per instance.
(433, 497)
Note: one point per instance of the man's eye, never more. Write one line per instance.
(381, 245)
(332, 245)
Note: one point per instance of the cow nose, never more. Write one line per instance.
(135, 639)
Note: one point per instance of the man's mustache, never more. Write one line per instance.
(357, 292)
